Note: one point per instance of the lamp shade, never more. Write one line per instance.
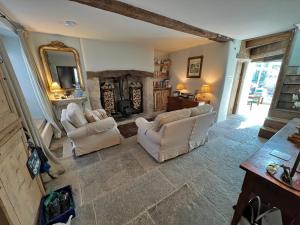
(180, 86)
(55, 86)
(205, 88)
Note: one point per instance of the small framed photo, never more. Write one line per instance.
(176, 93)
(194, 67)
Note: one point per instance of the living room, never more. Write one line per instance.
(135, 109)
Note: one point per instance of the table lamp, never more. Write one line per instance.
(205, 88)
(55, 87)
(180, 87)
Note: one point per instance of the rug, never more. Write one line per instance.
(129, 129)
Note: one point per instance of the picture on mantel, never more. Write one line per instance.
(194, 67)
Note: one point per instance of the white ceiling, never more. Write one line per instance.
(240, 19)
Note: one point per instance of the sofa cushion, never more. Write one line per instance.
(100, 113)
(201, 109)
(90, 116)
(169, 117)
(75, 115)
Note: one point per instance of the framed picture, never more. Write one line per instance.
(194, 67)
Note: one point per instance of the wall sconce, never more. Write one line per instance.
(55, 87)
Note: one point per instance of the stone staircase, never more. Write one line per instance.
(271, 126)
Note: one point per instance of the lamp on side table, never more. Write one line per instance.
(201, 95)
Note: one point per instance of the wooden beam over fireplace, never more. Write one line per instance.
(151, 17)
(117, 73)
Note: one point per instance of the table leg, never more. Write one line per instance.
(287, 221)
(296, 221)
(243, 201)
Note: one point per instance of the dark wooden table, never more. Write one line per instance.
(176, 103)
(258, 182)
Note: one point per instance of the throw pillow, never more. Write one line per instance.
(201, 109)
(75, 115)
(169, 117)
(90, 116)
(100, 113)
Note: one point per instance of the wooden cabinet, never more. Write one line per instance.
(176, 103)
(161, 99)
(20, 194)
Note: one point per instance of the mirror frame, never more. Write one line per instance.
(61, 47)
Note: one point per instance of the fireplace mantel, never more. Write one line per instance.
(118, 73)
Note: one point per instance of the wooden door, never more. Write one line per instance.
(19, 193)
(161, 99)
(165, 95)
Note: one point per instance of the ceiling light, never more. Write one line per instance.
(70, 23)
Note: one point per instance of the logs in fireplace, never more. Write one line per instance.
(122, 96)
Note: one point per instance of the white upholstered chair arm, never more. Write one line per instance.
(143, 123)
(154, 136)
(93, 128)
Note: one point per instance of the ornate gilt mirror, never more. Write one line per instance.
(61, 65)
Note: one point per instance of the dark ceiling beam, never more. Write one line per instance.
(151, 17)
(269, 39)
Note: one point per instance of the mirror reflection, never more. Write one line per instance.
(63, 68)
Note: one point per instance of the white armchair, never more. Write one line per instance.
(174, 138)
(88, 137)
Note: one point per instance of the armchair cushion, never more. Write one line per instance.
(100, 113)
(201, 109)
(93, 128)
(75, 115)
(90, 116)
(169, 117)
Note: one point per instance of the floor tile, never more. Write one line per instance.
(123, 204)
(85, 216)
(217, 191)
(105, 176)
(144, 219)
(185, 207)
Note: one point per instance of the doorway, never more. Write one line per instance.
(257, 89)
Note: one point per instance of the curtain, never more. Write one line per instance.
(37, 84)
(23, 110)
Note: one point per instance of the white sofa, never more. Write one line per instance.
(174, 138)
(88, 137)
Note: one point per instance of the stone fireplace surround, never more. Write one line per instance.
(94, 79)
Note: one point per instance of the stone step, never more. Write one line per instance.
(267, 132)
(275, 123)
(292, 70)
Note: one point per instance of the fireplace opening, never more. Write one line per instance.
(122, 96)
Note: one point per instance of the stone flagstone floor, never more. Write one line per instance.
(124, 185)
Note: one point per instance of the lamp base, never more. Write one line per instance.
(56, 96)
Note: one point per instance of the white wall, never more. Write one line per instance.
(295, 53)
(213, 69)
(103, 55)
(14, 52)
(233, 48)
(217, 70)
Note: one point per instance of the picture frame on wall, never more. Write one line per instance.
(194, 67)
